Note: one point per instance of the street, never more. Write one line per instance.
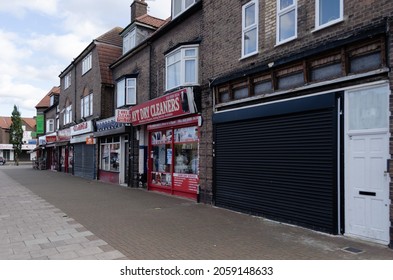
(52, 215)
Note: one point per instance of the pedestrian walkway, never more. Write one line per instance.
(31, 228)
(105, 221)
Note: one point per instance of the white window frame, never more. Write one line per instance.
(331, 22)
(183, 6)
(129, 41)
(183, 59)
(50, 125)
(87, 63)
(280, 14)
(51, 100)
(67, 117)
(126, 93)
(87, 106)
(67, 81)
(246, 29)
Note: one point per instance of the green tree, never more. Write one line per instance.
(16, 133)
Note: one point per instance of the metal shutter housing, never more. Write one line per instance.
(280, 161)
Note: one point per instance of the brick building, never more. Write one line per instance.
(118, 148)
(28, 141)
(301, 112)
(86, 95)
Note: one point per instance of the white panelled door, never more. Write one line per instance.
(367, 152)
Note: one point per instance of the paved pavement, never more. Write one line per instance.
(50, 215)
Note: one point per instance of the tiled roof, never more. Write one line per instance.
(5, 123)
(112, 37)
(152, 21)
(45, 102)
(107, 54)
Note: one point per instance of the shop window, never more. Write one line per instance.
(161, 154)
(110, 156)
(286, 20)
(186, 150)
(250, 28)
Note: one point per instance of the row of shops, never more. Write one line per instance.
(165, 159)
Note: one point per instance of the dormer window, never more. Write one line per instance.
(179, 6)
(129, 41)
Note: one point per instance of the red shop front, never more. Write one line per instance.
(173, 143)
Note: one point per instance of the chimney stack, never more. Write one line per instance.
(138, 8)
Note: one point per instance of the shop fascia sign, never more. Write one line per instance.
(82, 128)
(64, 135)
(50, 138)
(172, 105)
(108, 124)
(10, 147)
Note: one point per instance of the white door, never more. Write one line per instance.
(367, 152)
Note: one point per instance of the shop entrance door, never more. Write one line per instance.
(367, 180)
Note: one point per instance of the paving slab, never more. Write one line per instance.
(114, 222)
(32, 228)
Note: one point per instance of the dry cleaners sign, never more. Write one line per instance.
(168, 106)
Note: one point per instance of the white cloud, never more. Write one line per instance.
(19, 8)
(30, 63)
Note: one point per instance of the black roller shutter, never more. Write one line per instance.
(84, 161)
(281, 165)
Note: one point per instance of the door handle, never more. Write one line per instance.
(367, 193)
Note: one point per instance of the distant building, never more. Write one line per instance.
(29, 142)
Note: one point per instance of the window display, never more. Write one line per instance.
(110, 154)
(174, 158)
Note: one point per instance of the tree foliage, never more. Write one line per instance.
(16, 133)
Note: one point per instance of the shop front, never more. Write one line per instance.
(172, 131)
(113, 151)
(83, 150)
(64, 150)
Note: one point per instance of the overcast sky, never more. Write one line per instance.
(40, 38)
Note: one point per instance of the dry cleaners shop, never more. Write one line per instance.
(171, 126)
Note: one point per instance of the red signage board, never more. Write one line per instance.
(51, 138)
(172, 105)
(123, 116)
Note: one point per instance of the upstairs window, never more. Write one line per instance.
(67, 81)
(52, 100)
(86, 63)
(179, 6)
(67, 117)
(250, 28)
(328, 12)
(126, 92)
(286, 20)
(50, 125)
(87, 105)
(129, 41)
(182, 67)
